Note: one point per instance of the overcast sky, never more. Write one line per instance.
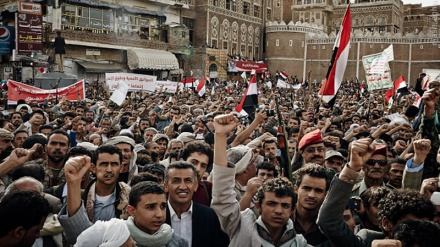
(424, 2)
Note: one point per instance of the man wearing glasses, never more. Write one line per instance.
(375, 169)
(312, 148)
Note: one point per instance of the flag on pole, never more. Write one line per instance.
(338, 62)
(282, 84)
(250, 98)
(400, 86)
(201, 88)
(284, 75)
(243, 75)
(417, 101)
(389, 95)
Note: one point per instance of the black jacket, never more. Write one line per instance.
(206, 230)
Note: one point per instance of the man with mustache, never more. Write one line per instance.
(16, 119)
(395, 172)
(129, 167)
(375, 169)
(312, 149)
(58, 143)
(105, 197)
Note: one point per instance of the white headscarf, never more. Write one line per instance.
(104, 234)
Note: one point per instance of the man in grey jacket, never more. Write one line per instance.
(275, 201)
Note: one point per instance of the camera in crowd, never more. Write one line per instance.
(270, 113)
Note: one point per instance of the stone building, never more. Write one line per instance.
(224, 29)
(305, 43)
(174, 39)
(144, 37)
(417, 18)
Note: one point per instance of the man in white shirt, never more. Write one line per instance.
(195, 223)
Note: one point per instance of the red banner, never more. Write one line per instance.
(17, 91)
(240, 66)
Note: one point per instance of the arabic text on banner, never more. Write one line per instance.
(17, 91)
(377, 81)
(135, 82)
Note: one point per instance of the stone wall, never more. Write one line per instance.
(302, 50)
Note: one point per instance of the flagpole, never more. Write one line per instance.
(310, 82)
(347, 21)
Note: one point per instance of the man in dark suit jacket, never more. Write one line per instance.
(60, 50)
(197, 224)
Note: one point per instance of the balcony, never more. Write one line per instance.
(123, 39)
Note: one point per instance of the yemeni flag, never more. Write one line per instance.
(284, 75)
(250, 99)
(417, 101)
(389, 96)
(400, 86)
(338, 62)
(201, 88)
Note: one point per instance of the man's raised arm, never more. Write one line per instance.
(73, 217)
(330, 217)
(223, 196)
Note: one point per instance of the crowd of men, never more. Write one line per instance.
(183, 170)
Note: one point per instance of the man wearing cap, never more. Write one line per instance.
(311, 147)
(334, 160)
(6, 138)
(186, 137)
(375, 169)
(148, 134)
(246, 181)
(129, 167)
(435, 199)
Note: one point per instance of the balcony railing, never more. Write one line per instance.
(125, 39)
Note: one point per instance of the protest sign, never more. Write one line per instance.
(120, 93)
(431, 75)
(17, 91)
(169, 86)
(377, 80)
(135, 82)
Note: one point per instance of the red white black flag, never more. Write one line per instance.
(250, 98)
(338, 62)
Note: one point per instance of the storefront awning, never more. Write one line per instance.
(151, 59)
(95, 3)
(143, 11)
(91, 67)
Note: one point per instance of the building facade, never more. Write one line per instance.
(305, 43)
(227, 29)
(174, 39)
(144, 37)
